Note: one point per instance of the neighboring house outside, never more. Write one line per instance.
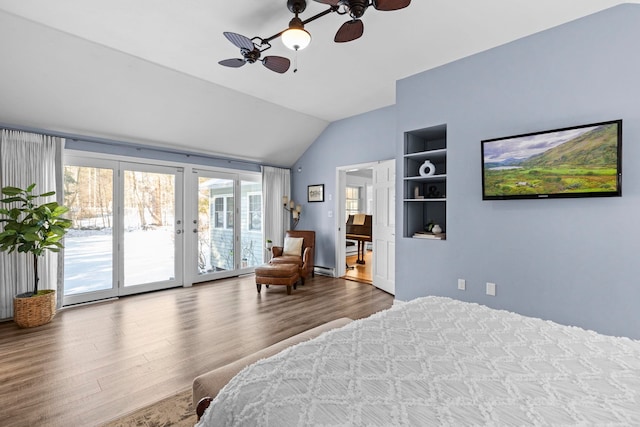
(221, 216)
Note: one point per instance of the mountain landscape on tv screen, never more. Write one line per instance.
(587, 163)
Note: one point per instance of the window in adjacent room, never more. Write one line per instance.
(352, 200)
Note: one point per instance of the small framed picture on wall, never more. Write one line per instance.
(315, 193)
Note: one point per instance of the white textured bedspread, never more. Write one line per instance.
(438, 361)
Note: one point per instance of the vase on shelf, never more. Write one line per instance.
(427, 165)
(436, 229)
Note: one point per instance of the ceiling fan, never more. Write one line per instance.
(353, 29)
(251, 52)
(295, 37)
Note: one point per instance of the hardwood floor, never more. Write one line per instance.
(360, 272)
(96, 362)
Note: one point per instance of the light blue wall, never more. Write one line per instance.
(574, 261)
(365, 138)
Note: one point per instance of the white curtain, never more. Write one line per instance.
(276, 183)
(27, 158)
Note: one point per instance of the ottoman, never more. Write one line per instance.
(277, 274)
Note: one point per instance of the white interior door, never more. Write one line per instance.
(384, 225)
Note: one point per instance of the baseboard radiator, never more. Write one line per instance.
(324, 271)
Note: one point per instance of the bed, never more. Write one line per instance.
(439, 361)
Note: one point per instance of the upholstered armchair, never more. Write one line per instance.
(297, 252)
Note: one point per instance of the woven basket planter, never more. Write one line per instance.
(38, 310)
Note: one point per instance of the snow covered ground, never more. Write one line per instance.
(149, 257)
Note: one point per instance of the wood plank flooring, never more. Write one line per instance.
(360, 272)
(97, 362)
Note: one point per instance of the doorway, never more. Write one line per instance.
(358, 201)
(369, 190)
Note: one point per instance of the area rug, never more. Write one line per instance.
(176, 410)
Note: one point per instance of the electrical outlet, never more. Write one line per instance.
(462, 284)
(491, 289)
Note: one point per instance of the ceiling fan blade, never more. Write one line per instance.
(329, 2)
(349, 31)
(233, 62)
(278, 64)
(239, 40)
(391, 4)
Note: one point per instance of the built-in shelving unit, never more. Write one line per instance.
(425, 197)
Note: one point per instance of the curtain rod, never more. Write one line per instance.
(136, 146)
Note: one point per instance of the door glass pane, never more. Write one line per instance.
(251, 218)
(149, 227)
(215, 225)
(88, 256)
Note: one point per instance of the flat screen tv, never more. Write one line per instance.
(579, 161)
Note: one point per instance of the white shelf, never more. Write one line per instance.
(439, 199)
(423, 238)
(430, 155)
(419, 178)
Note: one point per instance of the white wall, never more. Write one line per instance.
(55, 81)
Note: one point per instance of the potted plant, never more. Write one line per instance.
(269, 244)
(31, 228)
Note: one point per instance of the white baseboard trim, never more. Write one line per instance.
(324, 271)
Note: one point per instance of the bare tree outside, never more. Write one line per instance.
(88, 264)
(149, 227)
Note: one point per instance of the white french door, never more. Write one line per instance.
(127, 229)
(90, 193)
(151, 234)
(225, 224)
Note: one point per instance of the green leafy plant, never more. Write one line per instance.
(31, 228)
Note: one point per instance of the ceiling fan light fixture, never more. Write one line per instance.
(296, 37)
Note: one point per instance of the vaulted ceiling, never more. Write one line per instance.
(146, 71)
